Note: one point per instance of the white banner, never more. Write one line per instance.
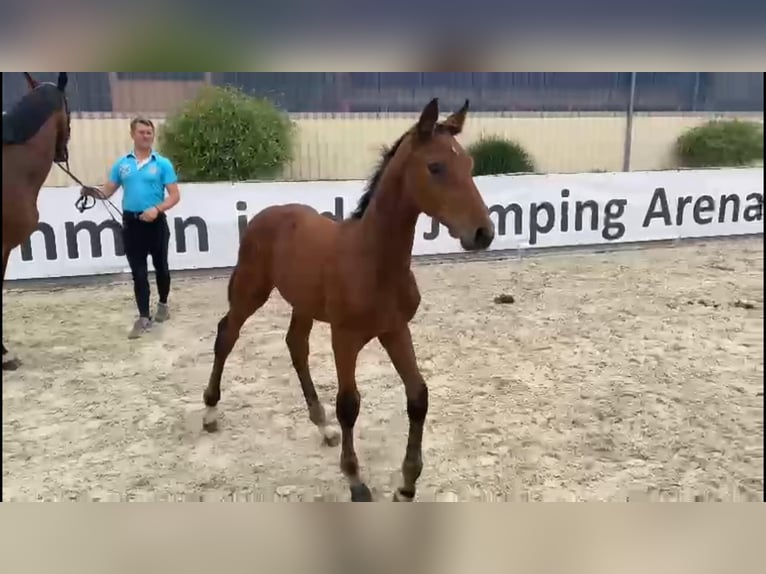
(530, 211)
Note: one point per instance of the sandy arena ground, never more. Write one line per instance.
(612, 374)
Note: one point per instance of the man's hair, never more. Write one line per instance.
(140, 120)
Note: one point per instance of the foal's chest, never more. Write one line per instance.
(381, 308)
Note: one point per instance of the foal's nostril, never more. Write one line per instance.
(484, 237)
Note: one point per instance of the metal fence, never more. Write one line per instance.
(391, 92)
(568, 122)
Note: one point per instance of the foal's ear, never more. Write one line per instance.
(62, 81)
(454, 123)
(428, 118)
(31, 82)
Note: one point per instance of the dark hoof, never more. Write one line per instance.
(360, 493)
(401, 495)
(11, 365)
(211, 426)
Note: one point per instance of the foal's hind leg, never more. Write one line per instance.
(298, 344)
(399, 347)
(243, 302)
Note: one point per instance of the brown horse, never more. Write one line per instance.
(35, 134)
(355, 275)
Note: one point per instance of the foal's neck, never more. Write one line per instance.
(389, 226)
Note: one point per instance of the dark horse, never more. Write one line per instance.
(355, 275)
(35, 134)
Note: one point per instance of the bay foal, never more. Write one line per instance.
(355, 275)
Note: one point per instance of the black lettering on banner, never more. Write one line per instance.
(725, 200)
(241, 219)
(339, 212)
(49, 239)
(579, 207)
(432, 233)
(754, 212)
(704, 203)
(534, 224)
(564, 211)
(682, 203)
(653, 212)
(202, 238)
(502, 217)
(94, 233)
(613, 211)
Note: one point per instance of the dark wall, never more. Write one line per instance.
(88, 91)
(408, 91)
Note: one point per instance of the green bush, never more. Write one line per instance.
(226, 135)
(495, 155)
(720, 143)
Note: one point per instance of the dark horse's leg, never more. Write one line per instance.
(9, 363)
(346, 347)
(246, 296)
(298, 344)
(399, 347)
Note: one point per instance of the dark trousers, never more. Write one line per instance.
(142, 239)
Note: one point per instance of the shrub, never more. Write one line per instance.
(720, 143)
(226, 135)
(495, 155)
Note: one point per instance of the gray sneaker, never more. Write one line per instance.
(141, 326)
(162, 314)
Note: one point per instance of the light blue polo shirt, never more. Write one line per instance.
(145, 187)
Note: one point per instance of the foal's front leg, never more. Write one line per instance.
(346, 346)
(398, 345)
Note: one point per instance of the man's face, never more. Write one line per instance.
(143, 136)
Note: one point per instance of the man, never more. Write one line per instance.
(144, 175)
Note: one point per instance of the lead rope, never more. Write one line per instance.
(82, 202)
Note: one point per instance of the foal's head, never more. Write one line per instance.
(437, 174)
(53, 98)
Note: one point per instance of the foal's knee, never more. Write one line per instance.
(220, 334)
(417, 404)
(347, 408)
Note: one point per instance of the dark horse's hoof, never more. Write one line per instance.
(11, 364)
(212, 426)
(360, 493)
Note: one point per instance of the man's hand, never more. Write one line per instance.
(149, 215)
(90, 191)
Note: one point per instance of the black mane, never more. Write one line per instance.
(372, 183)
(29, 114)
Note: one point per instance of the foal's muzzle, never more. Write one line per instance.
(481, 238)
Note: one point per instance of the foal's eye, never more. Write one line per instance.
(436, 168)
